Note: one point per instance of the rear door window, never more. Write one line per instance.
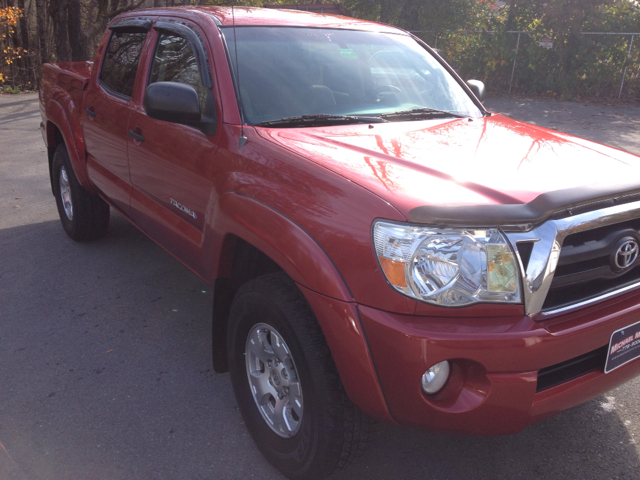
(121, 60)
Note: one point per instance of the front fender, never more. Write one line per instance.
(278, 237)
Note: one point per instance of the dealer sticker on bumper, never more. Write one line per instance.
(624, 346)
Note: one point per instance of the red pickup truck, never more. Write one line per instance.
(380, 246)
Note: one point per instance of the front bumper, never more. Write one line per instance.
(493, 387)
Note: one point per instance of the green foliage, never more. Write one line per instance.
(438, 15)
(8, 89)
(479, 40)
(578, 65)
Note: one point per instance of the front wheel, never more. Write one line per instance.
(83, 216)
(286, 384)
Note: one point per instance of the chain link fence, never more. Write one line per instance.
(597, 65)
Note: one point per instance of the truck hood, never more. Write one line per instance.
(454, 163)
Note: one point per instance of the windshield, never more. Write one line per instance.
(294, 72)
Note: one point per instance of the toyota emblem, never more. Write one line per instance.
(627, 253)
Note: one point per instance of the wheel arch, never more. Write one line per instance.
(53, 139)
(243, 239)
(253, 239)
(58, 130)
(245, 262)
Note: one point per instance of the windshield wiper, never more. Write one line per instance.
(320, 120)
(419, 113)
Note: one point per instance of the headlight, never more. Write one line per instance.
(449, 267)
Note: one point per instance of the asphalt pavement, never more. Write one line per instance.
(105, 362)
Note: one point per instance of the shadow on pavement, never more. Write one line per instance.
(105, 348)
(21, 99)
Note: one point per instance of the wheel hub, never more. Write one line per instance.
(65, 193)
(273, 380)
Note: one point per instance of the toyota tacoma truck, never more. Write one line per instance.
(379, 245)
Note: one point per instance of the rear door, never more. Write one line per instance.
(171, 164)
(108, 106)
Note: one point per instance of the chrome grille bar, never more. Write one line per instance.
(547, 242)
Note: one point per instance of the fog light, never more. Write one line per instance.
(434, 379)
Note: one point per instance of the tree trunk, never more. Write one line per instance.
(58, 12)
(511, 17)
(77, 38)
(25, 62)
(24, 29)
(113, 7)
(42, 30)
(103, 7)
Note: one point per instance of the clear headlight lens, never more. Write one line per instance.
(449, 267)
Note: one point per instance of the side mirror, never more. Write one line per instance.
(477, 87)
(172, 102)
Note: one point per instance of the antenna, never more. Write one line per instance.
(243, 139)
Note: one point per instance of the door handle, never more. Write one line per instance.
(136, 136)
(90, 112)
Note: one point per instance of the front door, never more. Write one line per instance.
(171, 164)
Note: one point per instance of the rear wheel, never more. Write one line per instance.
(286, 383)
(83, 216)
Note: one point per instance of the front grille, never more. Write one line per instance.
(585, 268)
(562, 372)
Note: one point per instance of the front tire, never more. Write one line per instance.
(83, 216)
(286, 384)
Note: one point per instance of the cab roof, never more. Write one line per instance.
(252, 16)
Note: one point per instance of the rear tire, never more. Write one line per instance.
(286, 384)
(83, 216)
